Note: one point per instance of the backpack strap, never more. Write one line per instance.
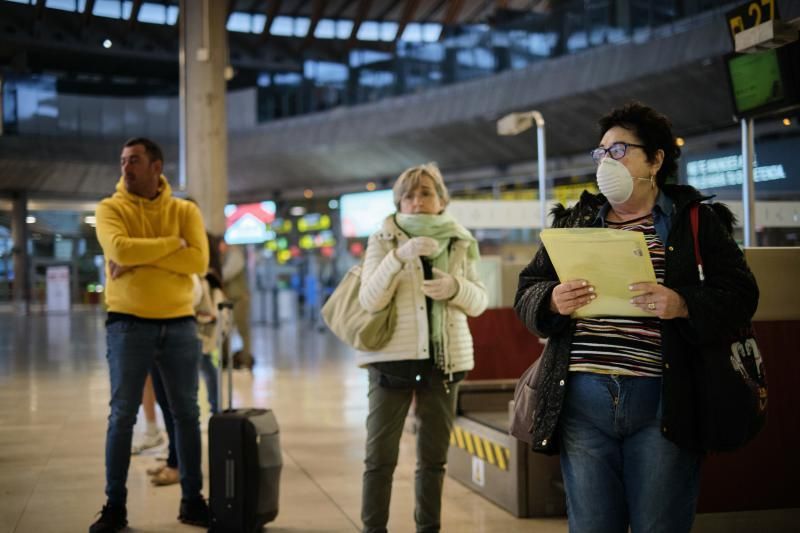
(694, 216)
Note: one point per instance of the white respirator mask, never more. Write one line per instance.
(615, 181)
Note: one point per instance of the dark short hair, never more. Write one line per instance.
(153, 150)
(653, 129)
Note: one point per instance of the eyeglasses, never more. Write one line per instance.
(616, 151)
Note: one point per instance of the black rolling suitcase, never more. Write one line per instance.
(244, 460)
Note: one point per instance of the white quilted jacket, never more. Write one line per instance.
(384, 276)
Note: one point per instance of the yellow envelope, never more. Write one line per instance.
(609, 259)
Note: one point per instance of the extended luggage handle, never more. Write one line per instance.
(224, 325)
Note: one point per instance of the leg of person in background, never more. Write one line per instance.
(152, 436)
(168, 473)
(241, 317)
(209, 373)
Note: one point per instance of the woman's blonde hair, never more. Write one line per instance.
(411, 177)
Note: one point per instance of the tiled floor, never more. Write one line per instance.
(53, 409)
(54, 404)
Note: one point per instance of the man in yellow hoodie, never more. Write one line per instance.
(153, 243)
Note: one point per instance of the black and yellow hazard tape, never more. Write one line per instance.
(491, 452)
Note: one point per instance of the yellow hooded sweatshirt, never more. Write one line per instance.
(146, 234)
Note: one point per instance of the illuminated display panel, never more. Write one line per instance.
(362, 213)
(247, 223)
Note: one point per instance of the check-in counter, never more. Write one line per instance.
(763, 475)
(484, 457)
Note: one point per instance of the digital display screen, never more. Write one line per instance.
(363, 213)
(756, 80)
(247, 223)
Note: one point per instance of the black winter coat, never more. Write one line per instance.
(717, 310)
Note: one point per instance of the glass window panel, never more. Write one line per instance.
(369, 31)
(431, 32)
(153, 13)
(282, 26)
(344, 28)
(258, 23)
(388, 31)
(413, 33)
(240, 22)
(172, 14)
(326, 29)
(301, 25)
(62, 5)
(107, 8)
(288, 78)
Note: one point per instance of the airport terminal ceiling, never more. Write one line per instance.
(680, 71)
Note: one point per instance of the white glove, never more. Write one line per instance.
(413, 248)
(443, 286)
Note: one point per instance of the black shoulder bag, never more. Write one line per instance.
(732, 382)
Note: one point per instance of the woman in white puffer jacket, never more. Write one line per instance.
(423, 262)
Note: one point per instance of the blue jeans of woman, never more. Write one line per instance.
(619, 471)
(134, 346)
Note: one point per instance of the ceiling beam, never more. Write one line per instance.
(273, 9)
(388, 9)
(481, 8)
(39, 10)
(361, 14)
(229, 11)
(342, 8)
(427, 16)
(87, 12)
(300, 5)
(317, 11)
(409, 10)
(454, 8)
(134, 18)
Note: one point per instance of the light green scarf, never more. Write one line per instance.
(443, 228)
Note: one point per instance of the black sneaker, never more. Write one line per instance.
(112, 519)
(194, 512)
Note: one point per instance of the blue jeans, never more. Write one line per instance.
(133, 348)
(169, 423)
(618, 469)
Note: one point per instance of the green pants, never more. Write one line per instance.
(435, 410)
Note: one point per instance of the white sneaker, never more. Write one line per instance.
(146, 442)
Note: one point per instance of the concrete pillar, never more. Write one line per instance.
(19, 235)
(204, 130)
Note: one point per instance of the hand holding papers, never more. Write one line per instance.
(609, 259)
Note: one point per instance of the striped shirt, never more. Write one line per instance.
(629, 346)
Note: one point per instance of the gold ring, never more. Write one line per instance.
(651, 306)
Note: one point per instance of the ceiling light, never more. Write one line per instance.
(107, 43)
(308, 194)
(371, 186)
(679, 141)
(30, 220)
(787, 121)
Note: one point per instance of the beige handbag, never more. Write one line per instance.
(355, 326)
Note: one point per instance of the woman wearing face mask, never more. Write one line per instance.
(423, 262)
(616, 395)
